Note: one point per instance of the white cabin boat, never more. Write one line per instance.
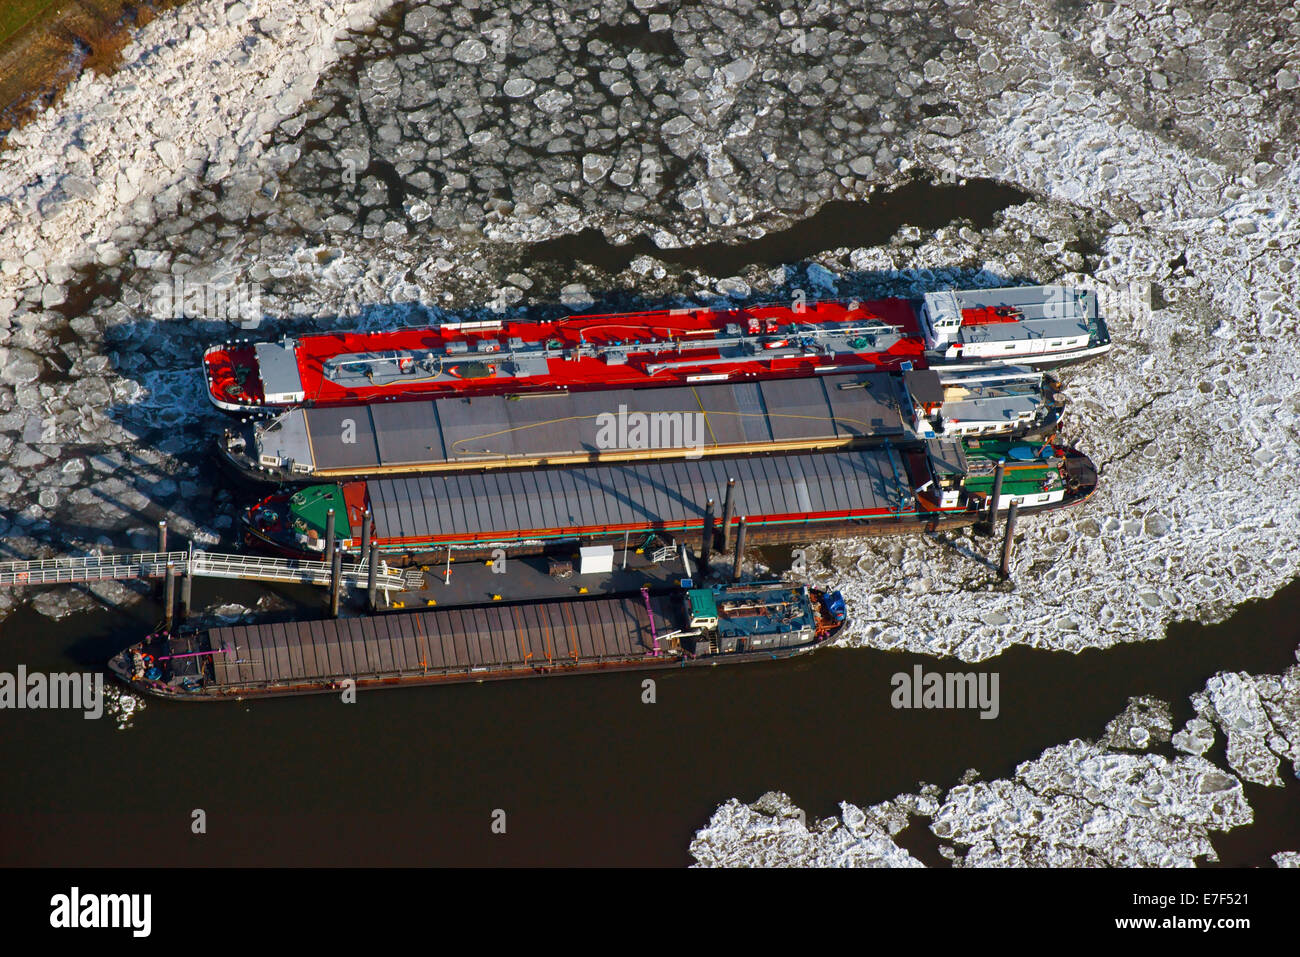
(1028, 325)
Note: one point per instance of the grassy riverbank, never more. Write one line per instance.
(46, 44)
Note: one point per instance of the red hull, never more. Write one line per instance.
(682, 337)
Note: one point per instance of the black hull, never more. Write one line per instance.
(557, 669)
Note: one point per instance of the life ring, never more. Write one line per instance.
(146, 659)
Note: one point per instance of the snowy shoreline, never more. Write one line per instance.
(198, 90)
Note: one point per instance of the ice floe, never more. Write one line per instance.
(1105, 803)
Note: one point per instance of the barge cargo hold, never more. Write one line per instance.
(703, 626)
(457, 434)
(1030, 325)
(784, 498)
(668, 347)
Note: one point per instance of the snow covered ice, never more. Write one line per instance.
(1109, 802)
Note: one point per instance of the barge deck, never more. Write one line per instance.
(726, 623)
(784, 498)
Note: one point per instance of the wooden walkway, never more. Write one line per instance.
(440, 642)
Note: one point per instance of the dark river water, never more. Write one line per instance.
(584, 772)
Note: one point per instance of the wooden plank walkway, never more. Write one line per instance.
(494, 638)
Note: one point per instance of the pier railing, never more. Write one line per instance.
(92, 568)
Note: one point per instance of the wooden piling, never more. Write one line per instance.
(1008, 543)
(728, 513)
(365, 537)
(740, 548)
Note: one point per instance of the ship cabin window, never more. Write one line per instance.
(1056, 343)
(1012, 346)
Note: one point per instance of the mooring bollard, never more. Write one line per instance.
(740, 548)
(1008, 543)
(728, 513)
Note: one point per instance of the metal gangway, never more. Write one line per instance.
(92, 568)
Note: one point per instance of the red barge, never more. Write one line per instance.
(630, 350)
(1037, 326)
